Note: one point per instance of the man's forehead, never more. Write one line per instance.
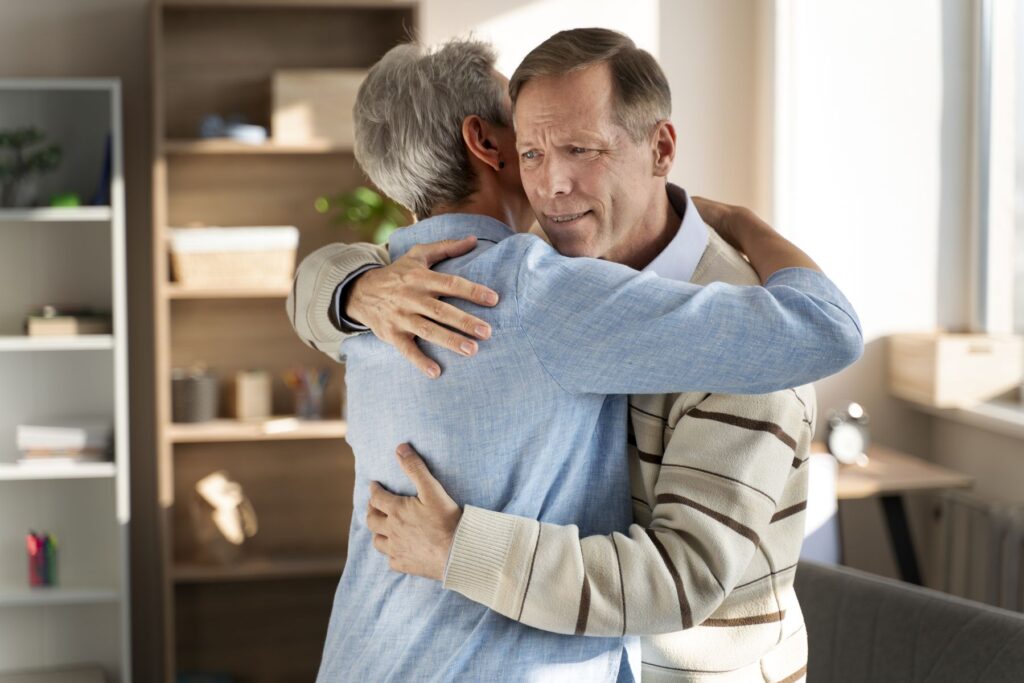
(579, 102)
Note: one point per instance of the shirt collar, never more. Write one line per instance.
(679, 259)
(448, 226)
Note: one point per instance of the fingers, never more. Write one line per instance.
(376, 521)
(427, 487)
(460, 288)
(429, 254)
(428, 330)
(406, 345)
(381, 544)
(444, 313)
(383, 500)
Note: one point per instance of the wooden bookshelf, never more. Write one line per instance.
(218, 56)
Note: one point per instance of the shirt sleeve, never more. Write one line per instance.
(315, 287)
(720, 486)
(600, 327)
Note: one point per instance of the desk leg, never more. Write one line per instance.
(899, 535)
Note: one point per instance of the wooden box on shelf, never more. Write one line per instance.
(234, 257)
(945, 370)
(314, 106)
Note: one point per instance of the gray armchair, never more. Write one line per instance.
(862, 628)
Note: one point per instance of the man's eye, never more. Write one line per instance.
(530, 155)
(579, 150)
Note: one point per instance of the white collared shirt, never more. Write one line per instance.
(679, 259)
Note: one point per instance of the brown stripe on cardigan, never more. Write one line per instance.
(753, 620)
(789, 512)
(685, 613)
(729, 522)
(745, 423)
(529, 577)
(584, 613)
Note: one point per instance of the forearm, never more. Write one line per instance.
(318, 275)
(716, 496)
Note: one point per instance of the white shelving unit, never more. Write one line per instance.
(65, 256)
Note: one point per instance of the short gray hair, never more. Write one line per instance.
(408, 121)
(640, 89)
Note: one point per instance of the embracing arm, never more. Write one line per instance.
(599, 327)
(720, 486)
(341, 290)
(312, 297)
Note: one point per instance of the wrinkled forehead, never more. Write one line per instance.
(554, 110)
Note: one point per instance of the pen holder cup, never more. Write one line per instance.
(309, 402)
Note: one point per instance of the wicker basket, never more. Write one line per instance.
(233, 257)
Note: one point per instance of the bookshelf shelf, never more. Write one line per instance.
(254, 570)
(217, 147)
(278, 429)
(85, 470)
(176, 291)
(78, 214)
(86, 342)
(26, 596)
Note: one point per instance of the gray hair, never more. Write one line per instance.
(408, 121)
(640, 90)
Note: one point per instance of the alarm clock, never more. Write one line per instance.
(847, 435)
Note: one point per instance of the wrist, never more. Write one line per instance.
(352, 296)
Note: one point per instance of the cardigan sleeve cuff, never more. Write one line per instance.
(491, 558)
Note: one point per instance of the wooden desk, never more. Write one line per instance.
(888, 475)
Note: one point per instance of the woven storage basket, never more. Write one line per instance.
(233, 257)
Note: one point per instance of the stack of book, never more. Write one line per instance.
(65, 441)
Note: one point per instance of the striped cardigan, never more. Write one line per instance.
(705, 573)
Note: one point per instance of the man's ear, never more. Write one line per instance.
(664, 147)
(480, 141)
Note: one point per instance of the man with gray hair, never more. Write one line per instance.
(531, 434)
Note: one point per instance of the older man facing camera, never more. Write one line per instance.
(531, 433)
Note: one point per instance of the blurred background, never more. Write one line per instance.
(174, 482)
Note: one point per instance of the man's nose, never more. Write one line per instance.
(556, 179)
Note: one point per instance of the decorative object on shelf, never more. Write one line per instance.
(249, 395)
(67, 440)
(223, 518)
(194, 395)
(308, 386)
(847, 435)
(945, 370)
(234, 127)
(314, 106)
(67, 321)
(24, 155)
(101, 197)
(65, 200)
(234, 257)
(370, 213)
(42, 559)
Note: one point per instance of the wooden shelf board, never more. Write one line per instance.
(253, 570)
(85, 342)
(26, 596)
(326, 4)
(226, 146)
(78, 214)
(177, 291)
(85, 470)
(283, 428)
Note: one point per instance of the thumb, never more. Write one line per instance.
(435, 252)
(428, 489)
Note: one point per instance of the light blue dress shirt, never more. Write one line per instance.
(535, 424)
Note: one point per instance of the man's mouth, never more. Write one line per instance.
(567, 217)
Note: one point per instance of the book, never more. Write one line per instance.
(53, 321)
(67, 434)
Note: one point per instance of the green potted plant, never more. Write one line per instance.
(370, 213)
(23, 157)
